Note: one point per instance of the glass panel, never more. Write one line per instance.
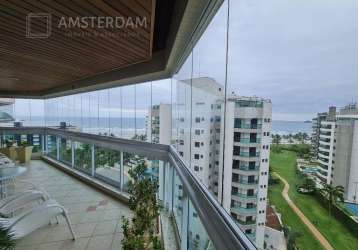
(128, 112)
(178, 202)
(197, 236)
(183, 106)
(51, 146)
(208, 95)
(143, 103)
(130, 160)
(108, 165)
(104, 112)
(65, 151)
(83, 157)
(115, 112)
(161, 112)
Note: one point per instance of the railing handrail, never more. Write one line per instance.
(230, 236)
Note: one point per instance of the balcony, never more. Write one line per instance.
(247, 127)
(249, 168)
(248, 141)
(247, 182)
(247, 222)
(94, 188)
(243, 210)
(241, 196)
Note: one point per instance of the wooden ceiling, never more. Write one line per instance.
(31, 65)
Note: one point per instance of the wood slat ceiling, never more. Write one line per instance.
(69, 54)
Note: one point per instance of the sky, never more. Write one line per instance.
(301, 54)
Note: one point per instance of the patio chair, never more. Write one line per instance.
(35, 218)
(11, 204)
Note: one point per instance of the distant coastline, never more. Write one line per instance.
(278, 126)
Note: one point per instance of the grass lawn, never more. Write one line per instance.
(335, 232)
(307, 240)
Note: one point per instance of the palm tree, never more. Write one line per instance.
(332, 193)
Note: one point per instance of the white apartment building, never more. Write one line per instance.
(246, 163)
(337, 153)
(345, 171)
(323, 137)
(326, 151)
(199, 134)
(233, 166)
(159, 128)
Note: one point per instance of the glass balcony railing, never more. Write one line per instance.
(248, 154)
(100, 159)
(247, 222)
(243, 210)
(245, 196)
(249, 126)
(248, 140)
(247, 182)
(249, 168)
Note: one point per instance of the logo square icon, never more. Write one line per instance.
(38, 25)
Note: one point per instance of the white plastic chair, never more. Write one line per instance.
(31, 220)
(14, 203)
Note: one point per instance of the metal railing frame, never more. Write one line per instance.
(220, 227)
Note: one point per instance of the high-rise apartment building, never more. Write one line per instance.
(234, 165)
(337, 146)
(323, 144)
(243, 178)
(159, 128)
(345, 171)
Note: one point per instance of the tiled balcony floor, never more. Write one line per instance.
(96, 217)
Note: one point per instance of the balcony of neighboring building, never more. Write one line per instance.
(324, 155)
(247, 125)
(246, 139)
(325, 141)
(323, 161)
(249, 195)
(325, 136)
(324, 148)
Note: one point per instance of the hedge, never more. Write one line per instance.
(339, 214)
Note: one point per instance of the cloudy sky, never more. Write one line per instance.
(302, 54)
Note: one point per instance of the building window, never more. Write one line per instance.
(197, 119)
(197, 144)
(237, 123)
(235, 164)
(197, 131)
(196, 168)
(196, 156)
(235, 177)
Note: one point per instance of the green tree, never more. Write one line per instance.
(276, 139)
(332, 193)
(291, 237)
(308, 184)
(140, 233)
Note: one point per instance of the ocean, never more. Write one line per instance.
(128, 124)
(291, 127)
